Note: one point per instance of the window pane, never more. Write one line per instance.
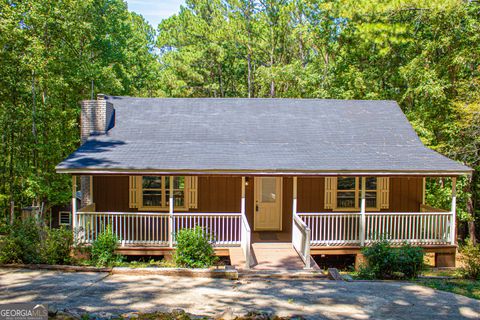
(370, 199)
(269, 189)
(178, 182)
(152, 198)
(167, 182)
(151, 182)
(346, 183)
(179, 198)
(346, 199)
(371, 183)
(167, 197)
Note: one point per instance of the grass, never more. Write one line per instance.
(465, 287)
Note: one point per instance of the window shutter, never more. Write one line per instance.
(384, 191)
(133, 186)
(192, 192)
(330, 187)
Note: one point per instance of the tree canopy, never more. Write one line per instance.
(423, 54)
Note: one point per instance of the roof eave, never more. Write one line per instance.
(244, 172)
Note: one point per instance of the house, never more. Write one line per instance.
(260, 175)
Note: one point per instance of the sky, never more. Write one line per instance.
(155, 10)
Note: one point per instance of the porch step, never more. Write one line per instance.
(277, 257)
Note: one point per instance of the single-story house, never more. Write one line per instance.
(312, 176)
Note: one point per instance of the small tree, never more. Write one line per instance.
(194, 249)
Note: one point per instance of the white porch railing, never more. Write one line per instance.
(129, 227)
(342, 229)
(224, 228)
(414, 228)
(147, 228)
(333, 228)
(301, 239)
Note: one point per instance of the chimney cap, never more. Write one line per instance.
(100, 96)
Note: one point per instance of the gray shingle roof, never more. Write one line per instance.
(258, 135)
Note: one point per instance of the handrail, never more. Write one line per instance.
(301, 239)
(369, 213)
(246, 241)
(233, 214)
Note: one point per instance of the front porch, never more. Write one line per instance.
(308, 231)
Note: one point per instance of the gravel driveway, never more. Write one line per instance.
(314, 299)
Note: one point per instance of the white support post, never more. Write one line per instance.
(74, 208)
(294, 204)
(453, 211)
(170, 219)
(362, 212)
(242, 203)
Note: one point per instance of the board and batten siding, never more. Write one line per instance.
(405, 194)
(215, 194)
(222, 194)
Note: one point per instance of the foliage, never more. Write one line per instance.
(21, 244)
(194, 249)
(386, 262)
(470, 257)
(27, 242)
(56, 246)
(469, 288)
(103, 248)
(423, 54)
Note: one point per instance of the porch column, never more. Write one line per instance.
(362, 212)
(453, 210)
(294, 204)
(74, 207)
(170, 220)
(242, 201)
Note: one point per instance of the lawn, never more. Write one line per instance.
(469, 288)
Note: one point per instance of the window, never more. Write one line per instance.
(156, 190)
(348, 193)
(64, 218)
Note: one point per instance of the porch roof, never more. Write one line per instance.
(258, 136)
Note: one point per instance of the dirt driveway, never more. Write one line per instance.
(314, 299)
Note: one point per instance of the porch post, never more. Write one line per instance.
(74, 207)
(170, 220)
(362, 212)
(294, 204)
(453, 210)
(242, 202)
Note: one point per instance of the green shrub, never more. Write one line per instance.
(56, 246)
(471, 261)
(387, 262)
(22, 243)
(103, 248)
(194, 249)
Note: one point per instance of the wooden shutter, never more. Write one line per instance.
(330, 190)
(134, 185)
(384, 192)
(192, 192)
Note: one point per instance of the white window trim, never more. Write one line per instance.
(357, 195)
(60, 218)
(164, 207)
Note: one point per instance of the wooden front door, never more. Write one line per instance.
(268, 204)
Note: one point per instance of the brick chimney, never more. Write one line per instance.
(97, 118)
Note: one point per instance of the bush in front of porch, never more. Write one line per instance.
(103, 249)
(194, 249)
(28, 241)
(384, 261)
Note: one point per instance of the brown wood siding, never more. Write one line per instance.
(215, 194)
(110, 193)
(405, 194)
(222, 194)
